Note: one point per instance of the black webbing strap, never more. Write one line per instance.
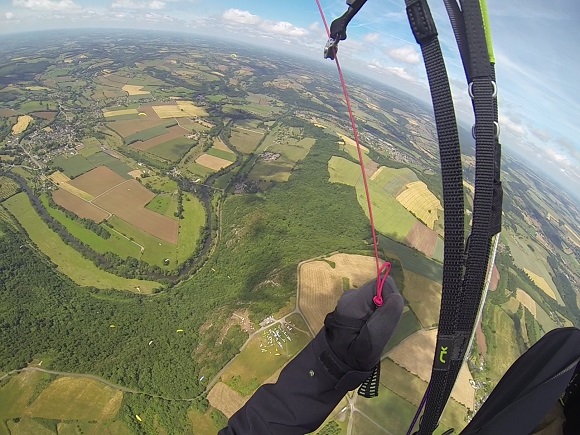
(453, 336)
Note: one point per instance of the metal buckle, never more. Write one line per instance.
(470, 90)
(331, 49)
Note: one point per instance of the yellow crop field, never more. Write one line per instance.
(183, 109)
(219, 144)
(321, 285)
(62, 181)
(542, 284)
(418, 199)
(416, 355)
(225, 399)
(22, 124)
(527, 301)
(58, 177)
(213, 163)
(135, 90)
(70, 398)
(348, 141)
(122, 112)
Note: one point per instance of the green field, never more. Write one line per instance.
(202, 423)
(411, 388)
(391, 218)
(76, 399)
(162, 184)
(173, 150)
(502, 342)
(222, 154)
(68, 261)
(79, 164)
(116, 243)
(150, 133)
(156, 250)
(7, 188)
(36, 106)
(532, 259)
(31, 403)
(411, 259)
(389, 411)
(165, 204)
(73, 166)
(190, 227)
(407, 326)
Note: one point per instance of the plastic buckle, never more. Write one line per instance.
(331, 49)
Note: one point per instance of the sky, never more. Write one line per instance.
(536, 45)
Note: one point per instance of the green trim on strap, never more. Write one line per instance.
(487, 26)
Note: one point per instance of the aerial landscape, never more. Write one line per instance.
(178, 215)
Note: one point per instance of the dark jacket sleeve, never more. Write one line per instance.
(307, 391)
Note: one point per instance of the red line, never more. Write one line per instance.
(386, 267)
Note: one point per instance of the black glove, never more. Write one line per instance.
(337, 360)
(357, 331)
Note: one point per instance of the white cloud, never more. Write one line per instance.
(47, 5)
(406, 54)
(154, 5)
(9, 15)
(401, 73)
(241, 17)
(284, 28)
(371, 37)
(276, 27)
(511, 125)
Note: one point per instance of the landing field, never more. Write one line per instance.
(418, 199)
(265, 355)
(67, 259)
(79, 206)
(416, 355)
(321, 285)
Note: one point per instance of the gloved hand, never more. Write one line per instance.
(357, 331)
(337, 360)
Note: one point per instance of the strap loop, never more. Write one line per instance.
(421, 20)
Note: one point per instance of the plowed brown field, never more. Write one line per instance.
(78, 206)
(97, 181)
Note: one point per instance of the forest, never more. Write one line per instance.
(264, 237)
